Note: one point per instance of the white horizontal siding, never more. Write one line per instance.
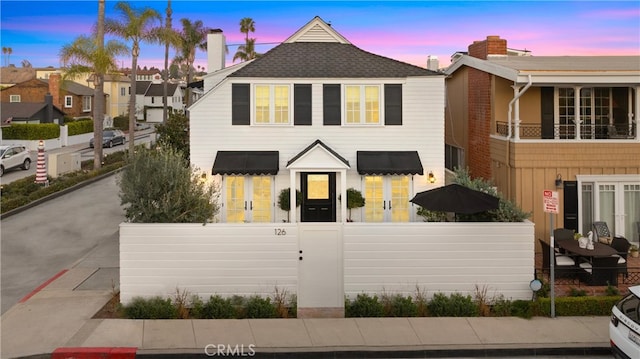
(422, 130)
(249, 259)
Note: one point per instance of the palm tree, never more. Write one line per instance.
(247, 51)
(89, 55)
(4, 53)
(247, 25)
(136, 26)
(9, 52)
(194, 36)
(170, 38)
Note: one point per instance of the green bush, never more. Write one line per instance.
(31, 131)
(258, 307)
(80, 127)
(577, 306)
(455, 305)
(399, 306)
(575, 292)
(501, 307)
(215, 308)
(522, 309)
(121, 123)
(364, 306)
(151, 308)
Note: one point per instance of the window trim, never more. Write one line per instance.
(13, 98)
(362, 110)
(272, 107)
(86, 103)
(68, 101)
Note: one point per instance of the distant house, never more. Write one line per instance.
(561, 123)
(31, 112)
(144, 74)
(11, 75)
(76, 100)
(318, 114)
(149, 94)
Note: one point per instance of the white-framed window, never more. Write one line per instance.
(272, 104)
(387, 198)
(68, 101)
(86, 103)
(248, 199)
(14, 98)
(362, 104)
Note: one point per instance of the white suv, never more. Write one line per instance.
(624, 328)
(13, 156)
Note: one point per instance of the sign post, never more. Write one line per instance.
(551, 204)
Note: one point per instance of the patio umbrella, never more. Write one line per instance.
(456, 198)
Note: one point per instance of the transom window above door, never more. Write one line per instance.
(272, 104)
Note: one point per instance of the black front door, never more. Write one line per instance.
(318, 197)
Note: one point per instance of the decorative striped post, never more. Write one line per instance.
(41, 167)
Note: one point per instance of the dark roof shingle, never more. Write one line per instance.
(327, 60)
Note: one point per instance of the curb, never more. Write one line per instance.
(94, 353)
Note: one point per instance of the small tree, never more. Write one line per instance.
(354, 200)
(175, 132)
(284, 200)
(159, 186)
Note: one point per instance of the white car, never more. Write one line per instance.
(14, 156)
(624, 327)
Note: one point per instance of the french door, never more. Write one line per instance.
(617, 203)
(387, 198)
(249, 199)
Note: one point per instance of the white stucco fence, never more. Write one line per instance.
(254, 259)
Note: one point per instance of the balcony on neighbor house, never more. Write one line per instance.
(535, 131)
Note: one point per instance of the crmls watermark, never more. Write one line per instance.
(228, 350)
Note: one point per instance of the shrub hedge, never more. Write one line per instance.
(80, 127)
(31, 131)
(121, 123)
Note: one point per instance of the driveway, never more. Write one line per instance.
(77, 229)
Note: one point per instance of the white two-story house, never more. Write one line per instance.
(318, 114)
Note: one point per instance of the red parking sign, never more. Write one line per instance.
(550, 201)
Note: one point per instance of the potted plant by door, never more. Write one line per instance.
(284, 200)
(354, 200)
(633, 251)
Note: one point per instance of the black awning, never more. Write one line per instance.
(246, 163)
(389, 163)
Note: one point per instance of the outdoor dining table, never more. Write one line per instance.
(573, 247)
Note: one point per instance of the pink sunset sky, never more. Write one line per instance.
(408, 31)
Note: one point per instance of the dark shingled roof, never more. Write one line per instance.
(327, 60)
(157, 90)
(142, 86)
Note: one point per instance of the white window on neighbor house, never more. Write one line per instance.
(68, 101)
(272, 104)
(14, 98)
(86, 103)
(387, 198)
(248, 199)
(362, 104)
(123, 91)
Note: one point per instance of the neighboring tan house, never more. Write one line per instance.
(74, 99)
(560, 123)
(117, 87)
(31, 112)
(145, 74)
(318, 114)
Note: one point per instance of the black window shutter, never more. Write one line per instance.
(546, 110)
(302, 105)
(331, 105)
(393, 104)
(571, 205)
(240, 104)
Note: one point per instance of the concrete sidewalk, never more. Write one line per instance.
(59, 315)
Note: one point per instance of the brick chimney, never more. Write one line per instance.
(54, 88)
(491, 46)
(216, 50)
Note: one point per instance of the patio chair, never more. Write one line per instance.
(622, 246)
(600, 271)
(601, 230)
(564, 266)
(561, 234)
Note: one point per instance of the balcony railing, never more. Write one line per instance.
(587, 132)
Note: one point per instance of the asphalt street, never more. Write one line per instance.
(78, 228)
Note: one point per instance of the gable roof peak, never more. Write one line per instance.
(317, 30)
